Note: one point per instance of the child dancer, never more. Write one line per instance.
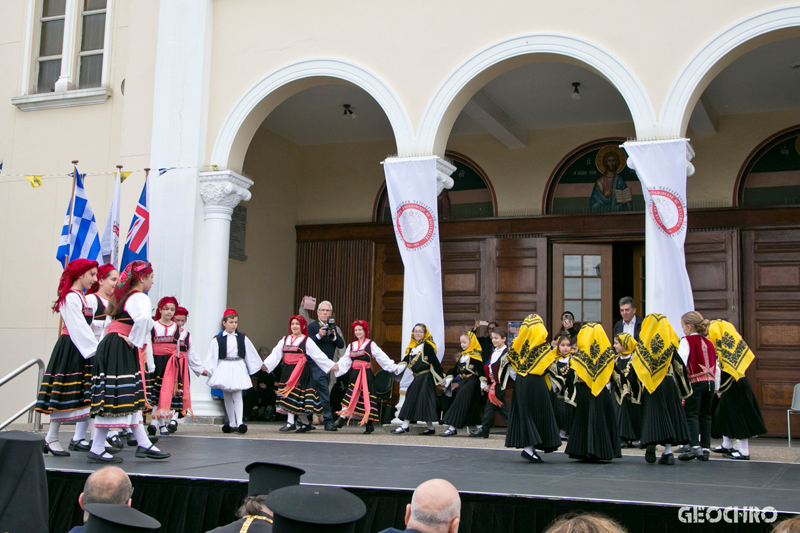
(464, 411)
(230, 361)
(420, 402)
(296, 394)
(738, 416)
(595, 434)
(65, 391)
(663, 385)
(564, 411)
(165, 336)
(630, 413)
(118, 389)
(359, 399)
(700, 358)
(531, 422)
(497, 371)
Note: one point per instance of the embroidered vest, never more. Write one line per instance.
(222, 343)
(702, 363)
(363, 354)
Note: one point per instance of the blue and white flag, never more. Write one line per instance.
(110, 241)
(136, 244)
(82, 242)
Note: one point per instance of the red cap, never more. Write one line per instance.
(229, 312)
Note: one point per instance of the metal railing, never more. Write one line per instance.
(32, 415)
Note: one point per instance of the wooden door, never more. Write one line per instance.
(771, 305)
(712, 261)
(517, 278)
(582, 284)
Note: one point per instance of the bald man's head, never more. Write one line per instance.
(435, 507)
(109, 484)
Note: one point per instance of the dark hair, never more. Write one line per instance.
(626, 300)
(564, 336)
(584, 523)
(226, 317)
(500, 331)
(101, 490)
(252, 505)
(570, 313)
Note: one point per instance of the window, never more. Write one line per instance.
(90, 57)
(51, 42)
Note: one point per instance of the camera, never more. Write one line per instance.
(331, 325)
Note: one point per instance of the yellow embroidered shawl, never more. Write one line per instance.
(733, 353)
(530, 352)
(413, 343)
(628, 343)
(474, 348)
(593, 360)
(653, 355)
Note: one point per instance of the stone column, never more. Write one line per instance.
(221, 191)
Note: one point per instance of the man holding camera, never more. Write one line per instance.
(323, 331)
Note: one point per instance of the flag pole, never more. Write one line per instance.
(69, 230)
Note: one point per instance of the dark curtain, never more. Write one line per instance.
(23, 483)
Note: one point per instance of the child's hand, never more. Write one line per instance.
(335, 368)
(205, 372)
(126, 339)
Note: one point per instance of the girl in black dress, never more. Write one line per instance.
(564, 411)
(629, 413)
(465, 410)
(420, 402)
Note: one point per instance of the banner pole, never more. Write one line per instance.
(69, 230)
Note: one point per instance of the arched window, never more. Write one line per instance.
(771, 174)
(594, 178)
(472, 196)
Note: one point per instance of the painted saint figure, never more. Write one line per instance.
(610, 192)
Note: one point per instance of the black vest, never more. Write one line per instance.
(222, 342)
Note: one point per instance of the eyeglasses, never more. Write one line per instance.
(131, 496)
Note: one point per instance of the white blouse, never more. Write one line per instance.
(138, 306)
(385, 362)
(98, 326)
(80, 333)
(312, 351)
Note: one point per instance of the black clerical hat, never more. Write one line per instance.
(113, 518)
(266, 477)
(306, 508)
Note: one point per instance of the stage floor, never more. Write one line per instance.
(717, 483)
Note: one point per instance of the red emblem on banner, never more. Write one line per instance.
(415, 224)
(667, 210)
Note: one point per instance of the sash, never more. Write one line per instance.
(296, 357)
(176, 366)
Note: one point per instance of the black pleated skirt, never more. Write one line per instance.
(531, 421)
(303, 398)
(420, 401)
(67, 382)
(663, 419)
(595, 433)
(465, 410)
(629, 420)
(117, 387)
(564, 413)
(738, 415)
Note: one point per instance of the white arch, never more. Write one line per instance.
(304, 69)
(675, 111)
(608, 65)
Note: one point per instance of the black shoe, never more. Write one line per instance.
(172, 427)
(132, 440)
(400, 431)
(650, 454)
(109, 449)
(305, 428)
(449, 433)
(667, 459)
(722, 450)
(115, 442)
(704, 456)
(288, 427)
(694, 453)
(226, 428)
(429, 432)
(76, 446)
(481, 432)
(340, 422)
(330, 426)
(94, 458)
(151, 430)
(150, 453)
(163, 431)
(532, 458)
(242, 428)
(737, 456)
(369, 429)
(46, 448)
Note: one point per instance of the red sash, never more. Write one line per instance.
(360, 387)
(297, 357)
(176, 366)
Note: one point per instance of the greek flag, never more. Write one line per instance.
(82, 242)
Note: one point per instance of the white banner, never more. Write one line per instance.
(109, 244)
(661, 167)
(411, 186)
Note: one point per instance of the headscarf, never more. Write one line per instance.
(530, 352)
(363, 324)
(428, 338)
(653, 355)
(734, 354)
(474, 348)
(628, 343)
(163, 302)
(303, 324)
(135, 270)
(593, 360)
(73, 271)
(102, 273)
(181, 311)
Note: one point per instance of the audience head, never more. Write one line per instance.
(263, 352)
(791, 525)
(626, 308)
(435, 508)
(324, 311)
(584, 523)
(109, 484)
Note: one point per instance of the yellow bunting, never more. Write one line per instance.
(35, 179)
(124, 175)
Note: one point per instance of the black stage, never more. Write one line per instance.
(500, 490)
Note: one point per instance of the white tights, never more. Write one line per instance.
(290, 418)
(233, 407)
(80, 430)
(142, 440)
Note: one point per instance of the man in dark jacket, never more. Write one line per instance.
(435, 508)
(630, 323)
(109, 484)
(328, 342)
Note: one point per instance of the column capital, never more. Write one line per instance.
(444, 170)
(221, 191)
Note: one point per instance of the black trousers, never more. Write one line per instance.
(698, 413)
(490, 410)
(320, 379)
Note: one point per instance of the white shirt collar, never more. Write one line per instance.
(225, 333)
